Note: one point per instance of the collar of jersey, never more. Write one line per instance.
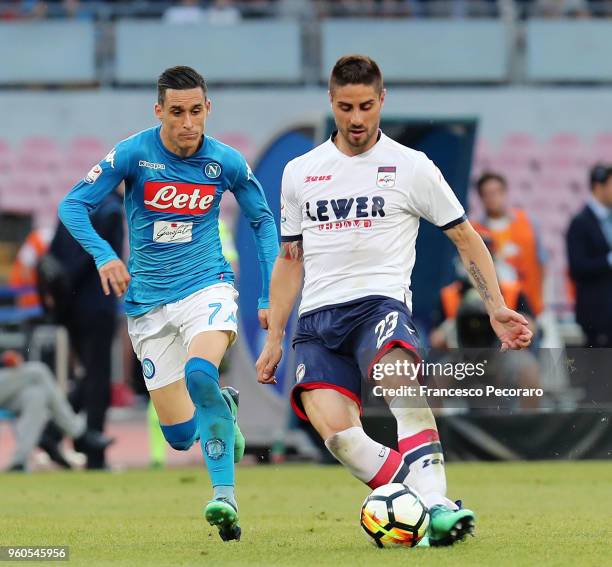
(201, 152)
(364, 154)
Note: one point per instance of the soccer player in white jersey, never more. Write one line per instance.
(349, 221)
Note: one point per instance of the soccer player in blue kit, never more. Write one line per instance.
(350, 211)
(179, 297)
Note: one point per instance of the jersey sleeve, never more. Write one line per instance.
(290, 211)
(432, 198)
(86, 195)
(252, 202)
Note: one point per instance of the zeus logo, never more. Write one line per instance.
(339, 209)
(427, 462)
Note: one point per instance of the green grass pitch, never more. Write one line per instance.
(528, 514)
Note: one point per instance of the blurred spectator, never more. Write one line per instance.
(88, 314)
(75, 10)
(220, 12)
(462, 322)
(28, 390)
(516, 240)
(452, 297)
(589, 250)
(23, 274)
(10, 10)
(258, 8)
(223, 13)
(34, 9)
(185, 12)
(296, 9)
(346, 8)
(561, 9)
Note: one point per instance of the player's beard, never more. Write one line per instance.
(363, 140)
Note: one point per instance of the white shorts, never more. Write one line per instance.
(161, 337)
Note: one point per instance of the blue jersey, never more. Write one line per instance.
(172, 208)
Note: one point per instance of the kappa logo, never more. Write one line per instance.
(151, 165)
(110, 158)
(311, 178)
(250, 175)
(212, 170)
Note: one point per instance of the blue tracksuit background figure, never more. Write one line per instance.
(172, 207)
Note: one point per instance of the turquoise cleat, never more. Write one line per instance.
(447, 526)
(223, 514)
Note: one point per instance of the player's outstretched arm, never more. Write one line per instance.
(252, 201)
(285, 285)
(511, 327)
(84, 197)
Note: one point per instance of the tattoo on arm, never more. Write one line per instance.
(292, 250)
(479, 280)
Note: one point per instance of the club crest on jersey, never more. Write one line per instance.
(212, 170)
(385, 179)
(215, 448)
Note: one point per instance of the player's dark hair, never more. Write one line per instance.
(600, 173)
(179, 78)
(490, 176)
(356, 70)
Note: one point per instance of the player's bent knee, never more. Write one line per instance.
(202, 379)
(330, 412)
(181, 436)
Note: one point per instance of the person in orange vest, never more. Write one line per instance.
(462, 322)
(452, 296)
(515, 237)
(23, 274)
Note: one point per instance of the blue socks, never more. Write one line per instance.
(181, 436)
(215, 424)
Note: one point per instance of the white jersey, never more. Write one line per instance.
(359, 218)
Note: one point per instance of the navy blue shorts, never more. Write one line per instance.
(336, 346)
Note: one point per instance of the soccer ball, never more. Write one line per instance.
(394, 514)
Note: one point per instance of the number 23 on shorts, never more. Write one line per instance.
(385, 327)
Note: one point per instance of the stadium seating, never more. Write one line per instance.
(548, 177)
(37, 172)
